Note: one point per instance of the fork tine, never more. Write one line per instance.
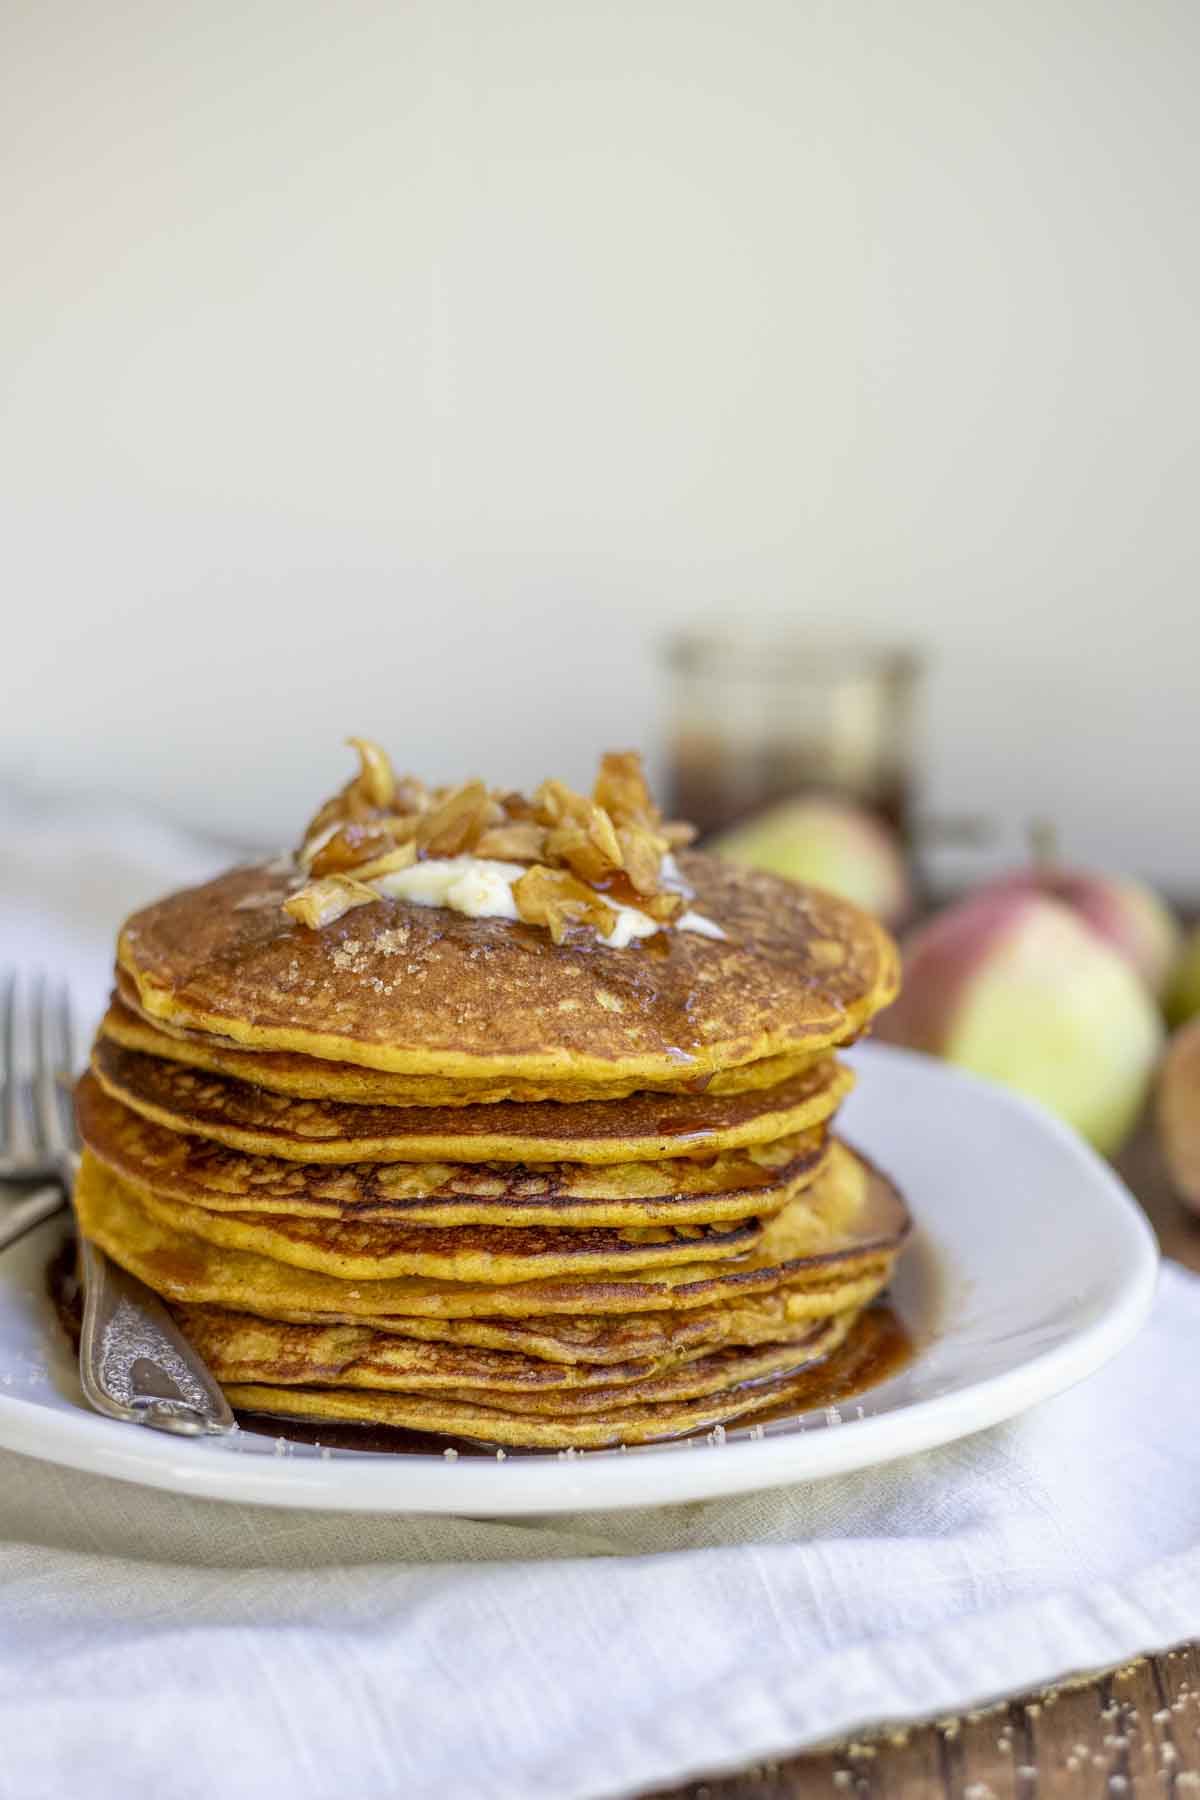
(66, 1036)
(16, 1138)
(8, 1078)
(64, 1087)
(47, 1087)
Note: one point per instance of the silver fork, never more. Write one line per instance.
(134, 1363)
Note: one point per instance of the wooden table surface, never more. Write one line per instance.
(1130, 1733)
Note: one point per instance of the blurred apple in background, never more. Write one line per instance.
(1015, 986)
(831, 844)
(1126, 913)
(1179, 1110)
(1183, 995)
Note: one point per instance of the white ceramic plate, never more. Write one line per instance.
(1030, 1267)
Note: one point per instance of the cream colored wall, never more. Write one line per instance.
(407, 368)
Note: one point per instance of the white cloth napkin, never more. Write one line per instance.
(150, 1644)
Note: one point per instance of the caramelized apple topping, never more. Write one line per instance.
(575, 846)
(349, 847)
(557, 899)
(375, 779)
(520, 841)
(458, 820)
(321, 902)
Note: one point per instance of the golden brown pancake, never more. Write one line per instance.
(237, 1347)
(847, 1220)
(723, 1373)
(787, 1313)
(310, 1078)
(486, 1424)
(640, 1128)
(734, 1184)
(423, 990)
(461, 1253)
(528, 1426)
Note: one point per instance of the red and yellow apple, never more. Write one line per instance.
(1125, 913)
(1016, 986)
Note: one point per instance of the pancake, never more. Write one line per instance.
(850, 1217)
(332, 1131)
(237, 1347)
(309, 1078)
(583, 1430)
(427, 991)
(725, 1372)
(612, 1341)
(464, 1253)
(731, 1185)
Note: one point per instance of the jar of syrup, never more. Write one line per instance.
(758, 715)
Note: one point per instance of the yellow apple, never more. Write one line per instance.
(830, 844)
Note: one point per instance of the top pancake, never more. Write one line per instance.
(426, 991)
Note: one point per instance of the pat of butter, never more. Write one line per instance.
(482, 888)
(475, 885)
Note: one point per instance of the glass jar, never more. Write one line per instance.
(758, 715)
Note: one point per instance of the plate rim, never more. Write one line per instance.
(604, 1480)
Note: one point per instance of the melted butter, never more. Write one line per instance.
(481, 887)
(478, 886)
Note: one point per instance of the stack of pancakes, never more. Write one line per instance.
(419, 1169)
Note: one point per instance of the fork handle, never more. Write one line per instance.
(134, 1362)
